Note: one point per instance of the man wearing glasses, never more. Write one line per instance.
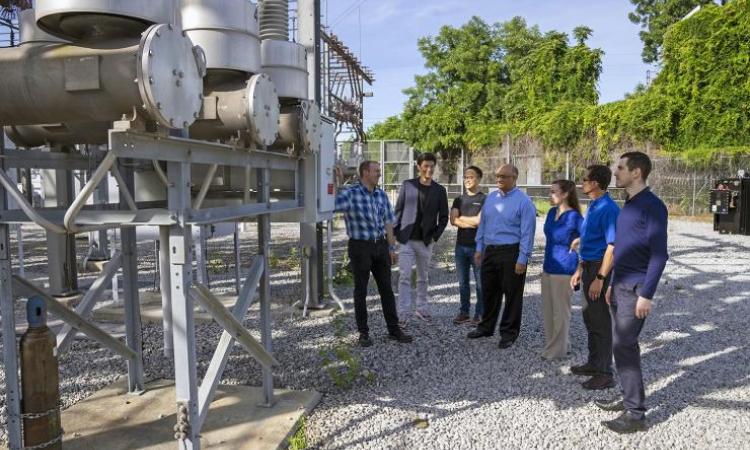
(596, 252)
(505, 237)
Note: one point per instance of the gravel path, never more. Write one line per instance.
(445, 391)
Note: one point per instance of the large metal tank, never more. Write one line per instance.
(226, 30)
(240, 106)
(160, 75)
(286, 63)
(87, 20)
(71, 133)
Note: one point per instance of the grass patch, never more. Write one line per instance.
(298, 441)
(341, 364)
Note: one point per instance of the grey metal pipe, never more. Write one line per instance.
(160, 73)
(94, 133)
(57, 83)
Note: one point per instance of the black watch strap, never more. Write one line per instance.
(600, 276)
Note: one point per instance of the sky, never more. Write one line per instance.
(384, 34)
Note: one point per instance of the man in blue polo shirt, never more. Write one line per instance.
(596, 250)
(504, 240)
(639, 260)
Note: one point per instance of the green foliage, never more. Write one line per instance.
(298, 441)
(655, 17)
(343, 366)
(484, 81)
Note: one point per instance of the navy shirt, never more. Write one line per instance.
(598, 228)
(641, 243)
(558, 258)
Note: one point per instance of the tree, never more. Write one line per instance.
(484, 81)
(390, 128)
(654, 17)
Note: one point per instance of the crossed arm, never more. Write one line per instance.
(460, 221)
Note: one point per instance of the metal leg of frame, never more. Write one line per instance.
(131, 302)
(166, 291)
(10, 347)
(264, 240)
(186, 378)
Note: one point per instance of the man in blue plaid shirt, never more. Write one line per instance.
(372, 247)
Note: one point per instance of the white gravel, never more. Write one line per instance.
(696, 350)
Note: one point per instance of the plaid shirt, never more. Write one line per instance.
(366, 213)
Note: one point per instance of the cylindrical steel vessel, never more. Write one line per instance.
(88, 20)
(240, 106)
(44, 84)
(71, 133)
(286, 64)
(226, 30)
(274, 19)
(300, 128)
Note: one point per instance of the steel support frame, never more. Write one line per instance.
(175, 222)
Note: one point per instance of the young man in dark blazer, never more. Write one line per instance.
(421, 217)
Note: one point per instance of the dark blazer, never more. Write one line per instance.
(434, 212)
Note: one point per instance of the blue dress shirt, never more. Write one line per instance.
(508, 218)
(598, 228)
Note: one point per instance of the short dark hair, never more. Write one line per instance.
(475, 169)
(426, 157)
(638, 160)
(601, 174)
(365, 165)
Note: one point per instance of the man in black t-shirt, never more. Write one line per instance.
(465, 214)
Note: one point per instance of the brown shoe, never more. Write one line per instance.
(599, 382)
(460, 318)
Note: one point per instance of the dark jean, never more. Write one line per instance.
(464, 263)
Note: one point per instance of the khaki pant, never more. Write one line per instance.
(413, 253)
(556, 295)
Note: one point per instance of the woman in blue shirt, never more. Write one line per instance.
(560, 262)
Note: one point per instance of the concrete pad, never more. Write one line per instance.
(151, 309)
(114, 420)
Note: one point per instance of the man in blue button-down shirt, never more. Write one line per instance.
(504, 239)
(369, 224)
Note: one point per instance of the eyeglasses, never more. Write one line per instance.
(586, 180)
(503, 177)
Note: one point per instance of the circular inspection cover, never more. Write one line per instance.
(310, 126)
(170, 76)
(262, 109)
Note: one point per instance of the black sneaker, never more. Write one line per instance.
(364, 340)
(583, 369)
(599, 382)
(400, 337)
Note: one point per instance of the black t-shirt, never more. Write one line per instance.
(416, 232)
(468, 205)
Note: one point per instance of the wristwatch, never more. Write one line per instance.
(600, 277)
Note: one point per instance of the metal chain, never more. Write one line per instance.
(48, 443)
(33, 416)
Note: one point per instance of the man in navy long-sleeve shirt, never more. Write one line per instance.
(504, 241)
(639, 259)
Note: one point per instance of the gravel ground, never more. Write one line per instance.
(444, 391)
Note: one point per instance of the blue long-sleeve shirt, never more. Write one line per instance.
(641, 243)
(508, 218)
(559, 259)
